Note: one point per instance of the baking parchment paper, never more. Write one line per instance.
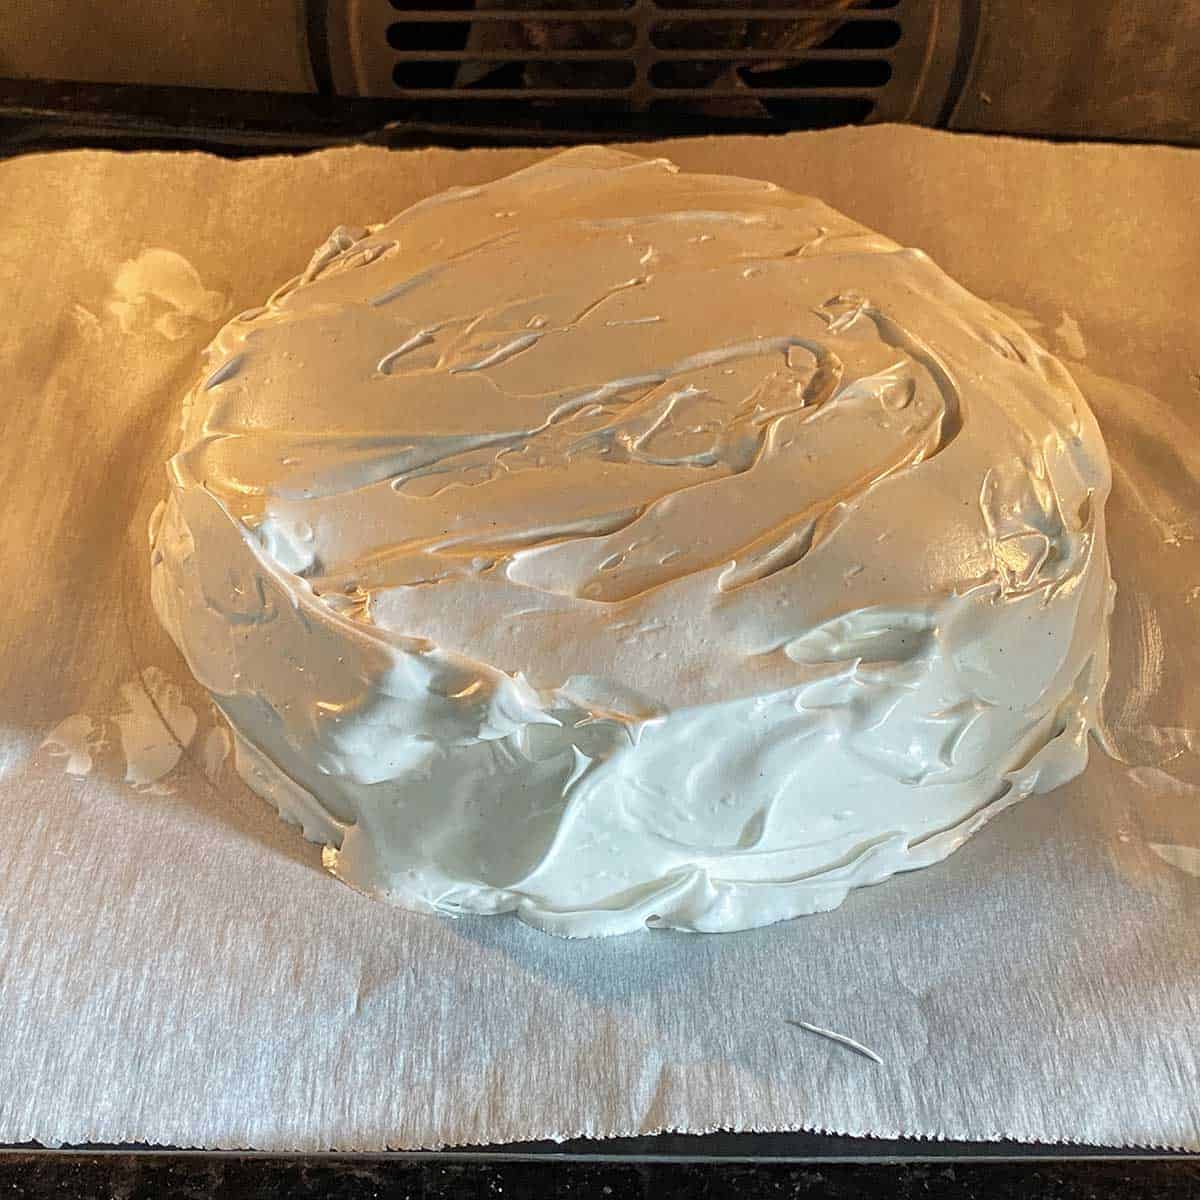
(176, 968)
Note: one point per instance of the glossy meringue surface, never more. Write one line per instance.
(618, 546)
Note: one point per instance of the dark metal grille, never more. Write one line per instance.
(599, 66)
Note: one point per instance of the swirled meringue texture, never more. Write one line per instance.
(622, 547)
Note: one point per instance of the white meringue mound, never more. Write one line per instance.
(621, 547)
